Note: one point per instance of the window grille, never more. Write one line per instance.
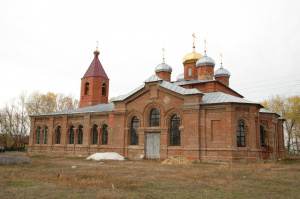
(241, 134)
(104, 134)
(154, 117)
(58, 135)
(95, 134)
(80, 135)
(71, 139)
(38, 140)
(134, 137)
(175, 132)
(45, 135)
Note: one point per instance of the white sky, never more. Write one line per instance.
(48, 45)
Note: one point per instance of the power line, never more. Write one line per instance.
(266, 80)
(269, 89)
(269, 85)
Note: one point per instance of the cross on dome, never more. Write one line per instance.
(194, 36)
(221, 57)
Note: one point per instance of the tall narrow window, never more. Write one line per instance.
(262, 136)
(38, 137)
(190, 72)
(71, 138)
(104, 134)
(103, 89)
(45, 135)
(154, 117)
(134, 135)
(58, 134)
(95, 134)
(86, 88)
(175, 133)
(80, 135)
(241, 134)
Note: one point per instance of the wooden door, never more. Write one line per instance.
(152, 145)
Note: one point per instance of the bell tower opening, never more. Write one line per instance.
(86, 88)
(103, 89)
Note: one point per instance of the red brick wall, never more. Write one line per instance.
(205, 73)
(94, 96)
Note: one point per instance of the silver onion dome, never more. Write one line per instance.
(180, 77)
(222, 72)
(163, 67)
(205, 61)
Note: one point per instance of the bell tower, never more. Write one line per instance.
(94, 84)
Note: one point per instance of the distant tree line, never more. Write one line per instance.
(289, 109)
(14, 116)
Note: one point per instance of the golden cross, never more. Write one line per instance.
(221, 57)
(163, 53)
(205, 45)
(194, 36)
(97, 45)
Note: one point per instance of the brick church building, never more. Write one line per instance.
(197, 116)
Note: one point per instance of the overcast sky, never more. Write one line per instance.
(48, 45)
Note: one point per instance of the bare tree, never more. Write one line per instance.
(38, 103)
(14, 121)
(289, 109)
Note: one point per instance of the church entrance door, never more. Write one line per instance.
(153, 145)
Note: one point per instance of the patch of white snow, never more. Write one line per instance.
(105, 156)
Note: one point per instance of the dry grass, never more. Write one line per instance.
(55, 178)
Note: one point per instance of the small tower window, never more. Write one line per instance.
(104, 89)
(86, 88)
(190, 72)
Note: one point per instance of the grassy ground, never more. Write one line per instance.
(55, 178)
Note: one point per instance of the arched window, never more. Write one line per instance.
(45, 135)
(58, 135)
(174, 131)
(154, 117)
(241, 134)
(190, 72)
(80, 135)
(134, 135)
(86, 88)
(262, 136)
(103, 89)
(104, 134)
(38, 137)
(71, 138)
(95, 134)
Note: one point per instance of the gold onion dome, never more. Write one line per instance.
(191, 57)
